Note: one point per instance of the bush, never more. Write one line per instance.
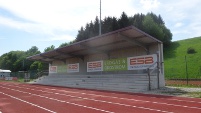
(191, 50)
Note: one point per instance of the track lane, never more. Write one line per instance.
(164, 100)
(122, 99)
(59, 106)
(117, 108)
(148, 104)
(10, 105)
(117, 94)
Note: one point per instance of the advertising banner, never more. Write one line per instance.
(62, 69)
(95, 66)
(142, 62)
(53, 69)
(115, 64)
(72, 68)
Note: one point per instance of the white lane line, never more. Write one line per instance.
(118, 97)
(28, 103)
(59, 100)
(176, 105)
(120, 104)
(115, 98)
(123, 98)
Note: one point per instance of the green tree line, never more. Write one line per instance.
(16, 61)
(149, 23)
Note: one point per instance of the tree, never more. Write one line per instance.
(11, 60)
(155, 27)
(107, 25)
(149, 23)
(32, 51)
(123, 21)
(80, 35)
(191, 50)
(115, 24)
(137, 20)
(96, 26)
(66, 44)
(152, 28)
(52, 47)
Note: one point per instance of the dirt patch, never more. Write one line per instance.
(184, 82)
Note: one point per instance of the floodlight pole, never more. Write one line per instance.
(100, 20)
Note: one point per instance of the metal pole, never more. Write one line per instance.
(149, 79)
(186, 71)
(100, 20)
(158, 70)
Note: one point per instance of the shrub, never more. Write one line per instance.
(191, 50)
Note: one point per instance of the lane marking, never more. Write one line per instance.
(28, 102)
(57, 100)
(114, 98)
(118, 97)
(109, 97)
(145, 108)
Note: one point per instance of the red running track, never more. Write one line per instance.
(27, 98)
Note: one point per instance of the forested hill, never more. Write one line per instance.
(149, 23)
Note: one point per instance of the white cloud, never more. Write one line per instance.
(149, 4)
(15, 24)
(65, 38)
(179, 24)
(50, 17)
(56, 13)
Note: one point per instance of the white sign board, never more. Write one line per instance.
(142, 62)
(95, 66)
(52, 69)
(72, 68)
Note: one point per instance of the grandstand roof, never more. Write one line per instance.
(122, 38)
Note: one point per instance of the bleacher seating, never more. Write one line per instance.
(112, 82)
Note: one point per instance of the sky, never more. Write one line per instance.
(42, 23)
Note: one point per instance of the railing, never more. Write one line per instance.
(149, 73)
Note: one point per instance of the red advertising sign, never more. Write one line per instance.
(73, 68)
(142, 62)
(94, 66)
(53, 69)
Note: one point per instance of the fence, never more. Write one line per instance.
(34, 74)
(184, 69)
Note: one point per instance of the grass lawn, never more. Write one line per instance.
(178, 63)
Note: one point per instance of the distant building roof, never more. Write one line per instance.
(1, 70)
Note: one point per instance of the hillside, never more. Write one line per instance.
(175, 63)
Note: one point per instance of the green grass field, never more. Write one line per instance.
(175, 63)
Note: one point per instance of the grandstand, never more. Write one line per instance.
(126, 60)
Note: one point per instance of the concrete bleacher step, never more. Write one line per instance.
(125, 83)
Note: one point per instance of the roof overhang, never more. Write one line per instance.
(119, 39)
